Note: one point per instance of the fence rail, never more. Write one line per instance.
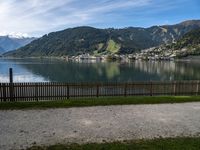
(61, 91)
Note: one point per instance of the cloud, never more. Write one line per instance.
(29, 16)
(37, 17)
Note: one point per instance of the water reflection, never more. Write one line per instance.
(39, 70)
(170, 70)
(20, 74)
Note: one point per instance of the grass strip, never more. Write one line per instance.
(155, 144)
(102, 101)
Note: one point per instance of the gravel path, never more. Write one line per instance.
(24, 128)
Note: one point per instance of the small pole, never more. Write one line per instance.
(11, 84)
(11, 75)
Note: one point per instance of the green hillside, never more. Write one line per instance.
(189, 44)
(113, 47)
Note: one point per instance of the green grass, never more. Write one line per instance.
(113, 47)
(102, 101)
(156, 144)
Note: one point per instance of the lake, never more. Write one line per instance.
(46, 70)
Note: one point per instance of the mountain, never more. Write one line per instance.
(188, 45)
(170, 33)
(8, 43)
(74, 41)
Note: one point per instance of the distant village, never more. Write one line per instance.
(154, 54)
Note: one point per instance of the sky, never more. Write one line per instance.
(39, 17)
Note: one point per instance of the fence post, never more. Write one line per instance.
(67, 91)
(97, 90)
(174, 87)
(197, 89)
(125, 89)
(4, 92)
(36, 92)
(151, 88)
(11, 86)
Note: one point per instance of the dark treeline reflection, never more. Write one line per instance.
(61, 71)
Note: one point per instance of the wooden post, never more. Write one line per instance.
(4, 92)
(151, 89)
(36, 92)
(97, 91)
(11, 75)
(11, 87)
(197, 89)
(67, 91)
(125, 89)
(174, 87)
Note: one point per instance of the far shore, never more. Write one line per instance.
(106, 58)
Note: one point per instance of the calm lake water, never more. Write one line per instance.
(44, 70)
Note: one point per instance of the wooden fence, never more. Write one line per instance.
(61, 91)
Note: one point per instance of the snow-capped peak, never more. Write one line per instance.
(17, 35)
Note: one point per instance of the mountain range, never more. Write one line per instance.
(8, 43)
(79, 40)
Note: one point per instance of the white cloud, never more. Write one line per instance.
(36, 16)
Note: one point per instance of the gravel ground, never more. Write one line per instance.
(24, 128)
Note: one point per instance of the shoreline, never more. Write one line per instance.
(70, 59)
